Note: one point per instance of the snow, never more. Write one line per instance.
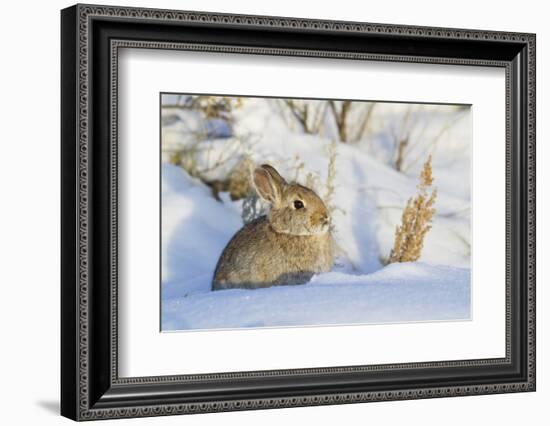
(369, 197)
(195, 229)
(396, 293)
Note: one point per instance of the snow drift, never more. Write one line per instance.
(195, 229)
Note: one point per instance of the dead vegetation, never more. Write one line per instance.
(200, 158)
(340, 114)
(220, 107)
(349, 119)
(308, 115)
(331, 178)
(410, 132)
(416, 220)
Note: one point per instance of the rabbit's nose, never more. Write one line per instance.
(320, 219)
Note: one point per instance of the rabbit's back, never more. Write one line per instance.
(257, 257)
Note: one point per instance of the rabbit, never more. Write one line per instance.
(287, 246)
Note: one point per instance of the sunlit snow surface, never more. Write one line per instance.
(369, 196)
(195, 230)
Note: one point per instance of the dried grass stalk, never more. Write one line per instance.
(415, 221)
(331, 176)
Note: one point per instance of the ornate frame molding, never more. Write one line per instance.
(87, 408)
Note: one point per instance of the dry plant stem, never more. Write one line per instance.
(331, 176)
(328, 198)
(210, 107)
(415, 220)
(403, 142)
(451, 122)
(319, 118)
(364, 126)
(340, 117)
(300, 113)
(309, 116)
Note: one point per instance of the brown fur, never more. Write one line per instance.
(287, 246)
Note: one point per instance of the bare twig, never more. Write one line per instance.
(361, 130)
(430, 149)
(340, 118)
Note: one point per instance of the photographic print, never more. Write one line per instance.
(279, 212)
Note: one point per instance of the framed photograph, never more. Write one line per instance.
(263, 212)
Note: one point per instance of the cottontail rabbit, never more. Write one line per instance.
(287, 246)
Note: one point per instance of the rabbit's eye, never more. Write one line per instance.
(298, 204)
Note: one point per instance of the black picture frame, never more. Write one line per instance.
(90, 386)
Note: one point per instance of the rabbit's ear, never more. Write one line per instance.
(274, 174)
(269, 183)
